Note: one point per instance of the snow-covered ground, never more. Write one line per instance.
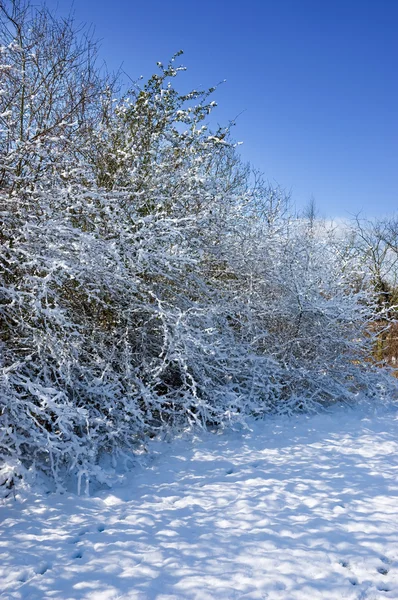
(303, 508)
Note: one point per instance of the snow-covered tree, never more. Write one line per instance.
(148, 279)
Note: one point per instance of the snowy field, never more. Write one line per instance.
(303, 508)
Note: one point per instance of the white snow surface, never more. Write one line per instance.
(300, 508)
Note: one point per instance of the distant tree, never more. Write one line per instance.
(310, 213)
(376, 242)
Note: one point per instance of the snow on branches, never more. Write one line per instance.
(148, 280)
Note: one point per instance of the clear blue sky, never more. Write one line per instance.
(316, 79)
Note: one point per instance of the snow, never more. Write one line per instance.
(301, 508)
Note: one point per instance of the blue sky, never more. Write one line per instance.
(316, 83)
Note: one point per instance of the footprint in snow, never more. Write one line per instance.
(229, 471)
(78, 537)
(383, 588)
(344, 563)
(101, 528)
(42, 568)
(383, 570)
(75, 540)
(77, 554)
(353, 581)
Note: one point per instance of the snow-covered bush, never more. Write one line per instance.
(149, 280)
